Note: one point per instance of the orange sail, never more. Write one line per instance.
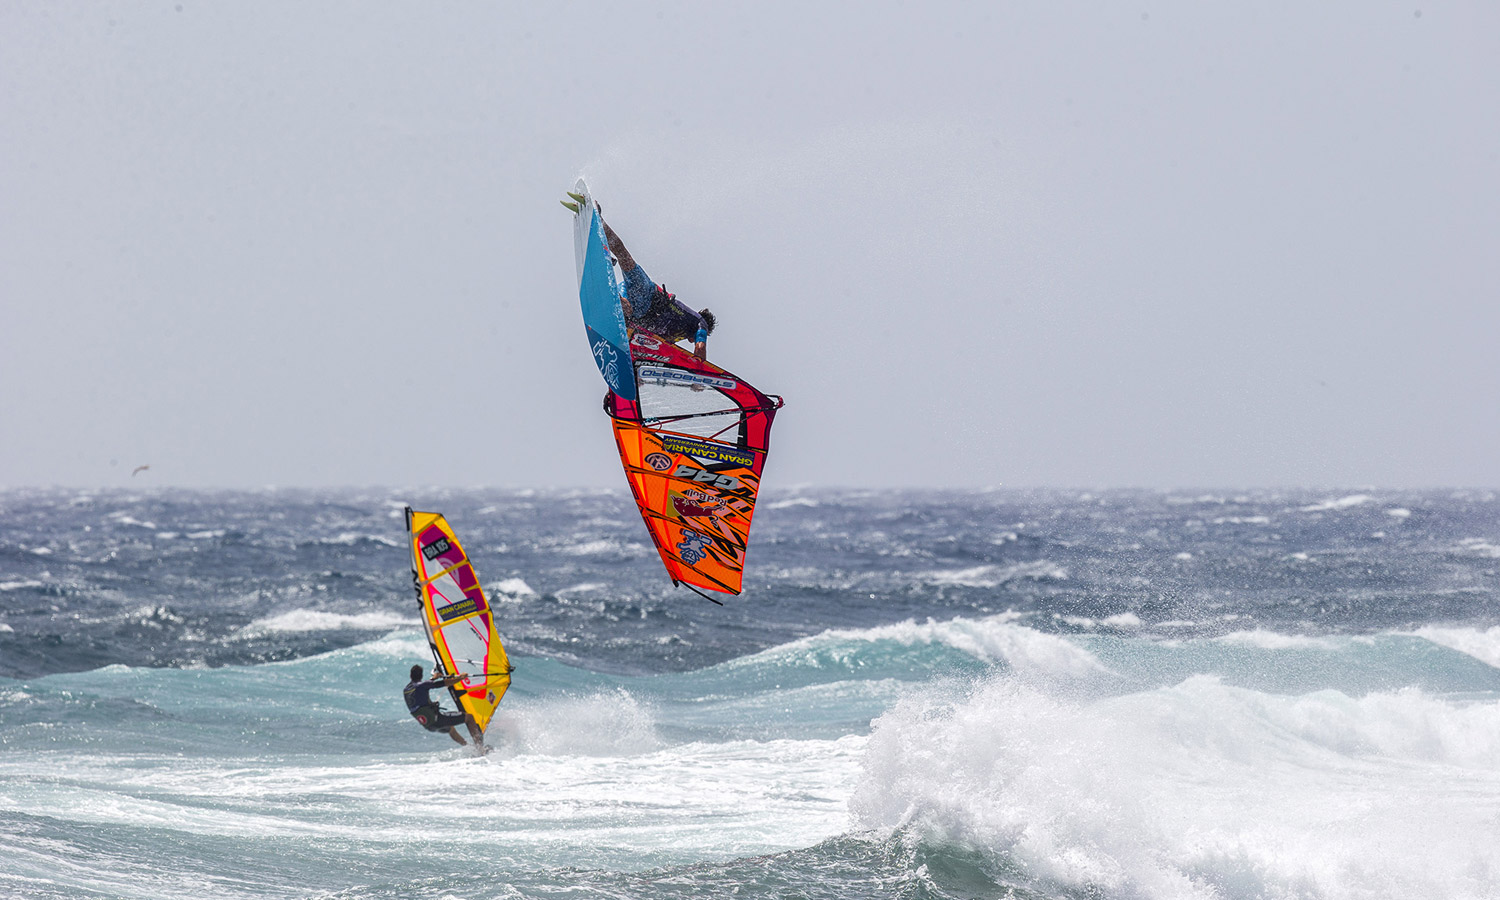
(693, 443)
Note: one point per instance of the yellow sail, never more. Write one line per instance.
(460, 626)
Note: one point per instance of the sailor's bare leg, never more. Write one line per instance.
(475, 732)
(617, 247)
(455, 735)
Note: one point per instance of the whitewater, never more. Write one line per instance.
(998, 694)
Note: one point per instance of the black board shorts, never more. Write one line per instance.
(434, 719)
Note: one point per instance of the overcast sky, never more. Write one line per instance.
(1021, 244)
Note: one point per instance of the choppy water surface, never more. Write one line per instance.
(938, 695)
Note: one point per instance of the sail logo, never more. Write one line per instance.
(642, 339)
(705, 450)
(713, 479)
(697, 505)
(659, 461)
(464, 607)
(608, 361)
(437, 548)
(679, 378)
(693, 546)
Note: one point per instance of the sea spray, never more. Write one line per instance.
(1198, 789)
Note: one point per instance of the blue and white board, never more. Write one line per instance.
(599, 293)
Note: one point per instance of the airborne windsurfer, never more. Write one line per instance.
(648, 305)
(693, 462)
(431, 716)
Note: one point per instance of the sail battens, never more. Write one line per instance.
(695, 482)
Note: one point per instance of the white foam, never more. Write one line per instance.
(993, 576)
(1397, 512)
(318, 620)
(1203, 499)
(1242, 520)
(584, 588)
(610, 723)
(603, 545)
(207, 535)
(978, 576)
(1125, 621)
(513, 587)
(17, 585)
(1186, 791)
(350, 538)
(794, 501)
(995, 639)
(1340, 503)
(132, 520)
(1482, 645)
(6, 629)
(670, 806)
(400, 644)
(1481, 546)
(1271, 640)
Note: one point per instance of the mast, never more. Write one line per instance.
(416, 582)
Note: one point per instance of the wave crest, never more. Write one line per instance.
(1185, 790)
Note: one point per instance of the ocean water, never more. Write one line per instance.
(920, 695)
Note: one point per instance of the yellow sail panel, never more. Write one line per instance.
(460, 625)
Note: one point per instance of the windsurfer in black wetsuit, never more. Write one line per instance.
(425, 710)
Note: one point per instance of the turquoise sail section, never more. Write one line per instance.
(603, 318)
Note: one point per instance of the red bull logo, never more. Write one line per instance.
(697, 505)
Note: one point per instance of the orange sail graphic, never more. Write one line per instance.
(693, 443)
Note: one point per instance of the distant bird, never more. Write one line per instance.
(138, 470)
